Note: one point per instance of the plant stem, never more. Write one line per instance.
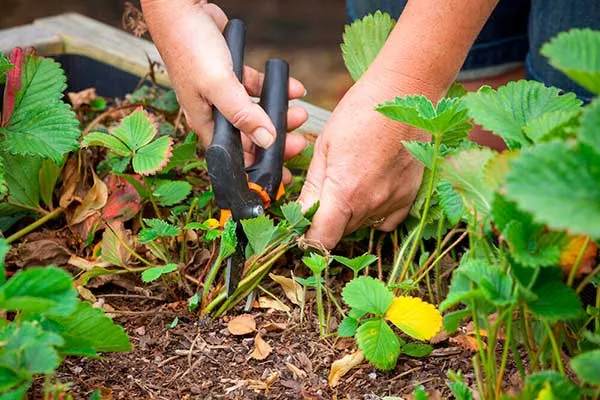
(211, 277)
(555, 349)
(320, 310)
(437, 260)
(128, 248)
(334, 301)
(438, 248)
(399, 257)
(578, 261)
(478, 377)
(587, 279)
(430, 188)
(34, 225)
(246, 285)
(26, 207)
(504, 359)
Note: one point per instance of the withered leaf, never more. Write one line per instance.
(262, 349)
(242, 325)
(340, 367)
(292, 289)
(272, 304)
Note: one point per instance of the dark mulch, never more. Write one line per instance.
(219, 367)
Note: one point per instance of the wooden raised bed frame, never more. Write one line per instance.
(76, 34)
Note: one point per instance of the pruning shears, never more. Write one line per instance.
(243, 193)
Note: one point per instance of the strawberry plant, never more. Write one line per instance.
(49, 323)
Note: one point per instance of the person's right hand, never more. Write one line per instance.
(188, 36)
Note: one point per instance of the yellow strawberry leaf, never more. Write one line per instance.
(415, 317)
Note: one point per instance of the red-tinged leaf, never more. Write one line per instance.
(124, 201)
(13, 84)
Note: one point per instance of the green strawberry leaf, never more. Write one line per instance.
(453, 319)
(152, 274)
(379, 343)
(228, 240)
(589, 131)
(557, 184)
(88, 331)
(508, 110)
(356, 264)
(368, 294)
(562, 387)
(292, 212)
(260, 231)
(153, 157)
(576, 53)
(108, 141)
(136, 130)
(347, 328)
(3, 183)
(363, 40)
(421, 151)
(169, 193)
(183, 153)
(41, 123)
(49, 289)
(450, 202)
(449, 117)
(551, 125)
(495, 284)
(316, 263)
(301, 161)
(587, 367)
(465, 172)
(21, 174)
(157, 228)
(555, 302)
(417, 350)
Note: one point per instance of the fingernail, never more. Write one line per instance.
(262, 137)
(305, 92)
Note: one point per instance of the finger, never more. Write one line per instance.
(286, 177)
(253, 82)
(296, 117)
(311, 191)
(392, 221)
(294, 145)
(216, 14)
(231, 99)
(330, 221)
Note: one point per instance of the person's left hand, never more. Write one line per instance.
(360, 170)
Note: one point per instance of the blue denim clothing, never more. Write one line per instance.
(513, 35)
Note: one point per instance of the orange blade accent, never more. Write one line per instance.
(225, 216)
(261, 192)
(280, 191)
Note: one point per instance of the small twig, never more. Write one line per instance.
(105, 114)
(150, 312)
(132, 296)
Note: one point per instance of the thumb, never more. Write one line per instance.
(230, 97)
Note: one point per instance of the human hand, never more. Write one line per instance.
(360, 171)
(188, 36)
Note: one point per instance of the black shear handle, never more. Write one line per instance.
(267, 168)
(225, 154)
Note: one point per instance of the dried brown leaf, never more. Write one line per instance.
(113, 252)
(292, 289)
(271, 304)
(242, 325)
(92, 203)
(340, 367)
(82, 97)
(40, 252)
(275, 327)
(262, 349)
(467, 342)
(298, 373)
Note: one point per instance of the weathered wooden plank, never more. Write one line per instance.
(46, 42)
